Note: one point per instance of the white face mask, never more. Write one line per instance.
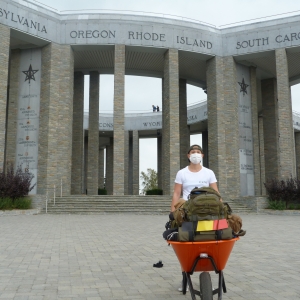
(196, 158)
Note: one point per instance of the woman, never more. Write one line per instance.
(194, 175)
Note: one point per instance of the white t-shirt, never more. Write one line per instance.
(189, 179)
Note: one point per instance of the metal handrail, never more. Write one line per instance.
(48, 190)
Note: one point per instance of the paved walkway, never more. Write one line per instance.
(111, 257)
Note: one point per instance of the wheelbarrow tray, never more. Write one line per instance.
(188, 252)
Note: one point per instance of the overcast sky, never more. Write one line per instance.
(140, 92)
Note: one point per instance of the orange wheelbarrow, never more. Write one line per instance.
(203, 257)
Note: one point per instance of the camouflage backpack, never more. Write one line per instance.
(204, 204)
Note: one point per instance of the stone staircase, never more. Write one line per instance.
(82, 204)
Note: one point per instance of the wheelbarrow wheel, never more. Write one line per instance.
(205, 286)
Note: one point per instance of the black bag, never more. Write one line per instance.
(187, 233)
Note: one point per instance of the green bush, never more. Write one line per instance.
(278, 205)
(154, 192)
(22, 203)
(102, 192)
(283, 191)
(7, 203)
(294, 206)
(15, 183)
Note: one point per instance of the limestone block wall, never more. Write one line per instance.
(119, 96)
(127, 165)
(183, 127)
(85, 163)
(232, 127)
(270, 127)
(285, 117)
(93, 135)
(159, 162)
(77, 134)
(4, 63)
(205, 148)
(255, 135)
(216, 120)
(135, 162)
(109, 167)
(262, 155)
(47, 159)
(101, 169)
(170, 113)
(13, 106)
(297, 150)
(56, 116)
(65, 114)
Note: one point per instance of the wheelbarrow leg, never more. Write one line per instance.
(189, 281)
(221, 285)
(184, 283)
(224, 285)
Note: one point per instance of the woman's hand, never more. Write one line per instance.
(176, 195)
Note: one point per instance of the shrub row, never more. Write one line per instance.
(283, 194)
(154, 192)
(18, 203)
(102, 192)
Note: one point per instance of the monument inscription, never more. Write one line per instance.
(29, 112)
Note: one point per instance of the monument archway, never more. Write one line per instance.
(246, 70)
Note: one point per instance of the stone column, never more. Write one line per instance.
(287, 164)
(262, 154)
(127, 164)
(109, 167)
(135, 163)
(255, 135)
(85, 168)
(78, 132)
(101, 169)
(159, 161)
(232, 128)
(170, 121)
(223, 124)
(270, 127)
(64, 131)
(216, 120)
(93, 137)
(183, 127)
(159, 147)
(297, 151)
(205, 148)
(12, 106)
(55, 135)
(119, 97)
(4, 63)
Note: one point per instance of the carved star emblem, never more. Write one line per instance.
(30, 74)
(243, 86)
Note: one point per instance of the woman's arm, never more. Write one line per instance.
(176, 195)
(215, 187)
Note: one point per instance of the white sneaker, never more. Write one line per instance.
(180, 288)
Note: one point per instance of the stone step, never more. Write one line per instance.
(100, 205)
(127, 204)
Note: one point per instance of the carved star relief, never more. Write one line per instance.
(30, 74)
(243, 86)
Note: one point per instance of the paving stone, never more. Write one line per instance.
(112, 257)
